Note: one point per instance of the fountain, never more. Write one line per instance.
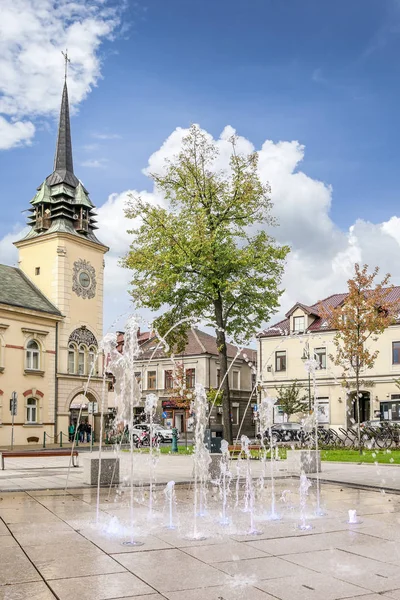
(249, 492)
(150, 409)
(353, 518)
(304, 486)
(170, 498)
(211, 514)
(201, 458)
(224, 481)
(266, 418)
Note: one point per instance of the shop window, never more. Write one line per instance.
(33, 356)
(323, 412)
(190, 378)
(31, 410)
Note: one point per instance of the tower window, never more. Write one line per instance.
(37, 270)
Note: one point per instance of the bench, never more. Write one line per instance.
(236, 450)
(27, 454)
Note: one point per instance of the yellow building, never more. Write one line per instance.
(284, 348)
(51, 307)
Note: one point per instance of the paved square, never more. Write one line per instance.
(53, 545)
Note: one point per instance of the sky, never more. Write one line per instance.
(313, 86)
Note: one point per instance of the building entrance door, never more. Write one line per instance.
(365, 407)
(180, 421)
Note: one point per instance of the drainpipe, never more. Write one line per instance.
(56, 387)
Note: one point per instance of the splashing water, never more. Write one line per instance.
(304, 487)
(170, 499)
(249, 492)
(150, 407)
(201, 458)
(224, 481)
(353, 518)
(266, 417)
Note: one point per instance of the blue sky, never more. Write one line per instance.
(324, 73)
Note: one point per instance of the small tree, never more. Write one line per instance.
(200, 258)
(290, 399)
(364, 314)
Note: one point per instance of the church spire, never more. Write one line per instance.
(63, 158)
(63, 161)
(62, 203)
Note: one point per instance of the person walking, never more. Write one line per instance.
(71, 431)
(88, 432)
(81, 432)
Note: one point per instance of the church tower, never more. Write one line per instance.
(64, 259)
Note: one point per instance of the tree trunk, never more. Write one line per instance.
(223, 365)
(358, 405)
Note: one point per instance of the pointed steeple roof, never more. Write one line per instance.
(62, 203)
(63, 162)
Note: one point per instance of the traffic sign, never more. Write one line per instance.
(14, 404)
(164, 415)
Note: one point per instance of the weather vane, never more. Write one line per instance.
(67, 60)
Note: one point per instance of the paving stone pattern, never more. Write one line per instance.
(62, 545)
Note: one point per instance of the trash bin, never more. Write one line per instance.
(213, 438)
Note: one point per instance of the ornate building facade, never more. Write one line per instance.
(51, 306)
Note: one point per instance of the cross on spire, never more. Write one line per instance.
(67, 60)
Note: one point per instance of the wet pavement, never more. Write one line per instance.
(66, 546)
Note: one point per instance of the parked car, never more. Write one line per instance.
(285, 432)
(164, 434)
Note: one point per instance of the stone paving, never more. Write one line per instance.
(51, 473)
(57, 545)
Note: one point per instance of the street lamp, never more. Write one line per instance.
(306, 356)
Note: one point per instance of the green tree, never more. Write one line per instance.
(366, 312)
(201, 258)
(291, 401)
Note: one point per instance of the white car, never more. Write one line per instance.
(163, 432)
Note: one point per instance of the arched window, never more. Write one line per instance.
(81, 360)
(33, 355)
(72, 351)
(31, 410)
(92, 366)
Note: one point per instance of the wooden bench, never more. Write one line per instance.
(27, 454)
(236, 450)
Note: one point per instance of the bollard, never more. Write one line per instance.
(174, 440)
(60, 439)
(44, 439)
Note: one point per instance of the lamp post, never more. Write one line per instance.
(306, 356)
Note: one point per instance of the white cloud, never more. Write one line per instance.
(322, 256)
(95, 163)
(106, 136)
(15, 132)
(32, 35)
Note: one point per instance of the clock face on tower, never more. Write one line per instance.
(84, 279)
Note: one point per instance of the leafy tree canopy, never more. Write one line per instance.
(291, 400)
(207, 255)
